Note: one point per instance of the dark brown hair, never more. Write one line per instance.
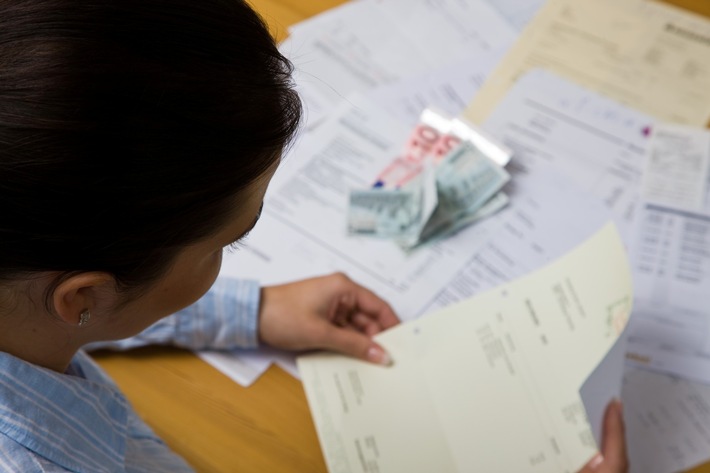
(128, 128)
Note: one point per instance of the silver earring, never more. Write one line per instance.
(84, 317)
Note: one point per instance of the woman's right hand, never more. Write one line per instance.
(612, 458)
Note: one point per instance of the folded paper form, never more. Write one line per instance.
(491, 384)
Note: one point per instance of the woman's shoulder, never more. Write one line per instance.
(51, 421)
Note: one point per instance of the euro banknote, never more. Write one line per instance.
(437, 231)
(427, 144)
(394, 213)
(438, 201)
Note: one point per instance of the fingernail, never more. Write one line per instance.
(377, 355)
(596, 461)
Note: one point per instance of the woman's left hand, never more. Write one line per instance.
(330, 312)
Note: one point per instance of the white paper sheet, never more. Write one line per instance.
(370, 43)
(676, 173)
(666, 421)
(671, 257)
(449, 30)
(548, 216)
(599, 144)
(448, 88)
(243, 367)
(671, 329)
(517, 12)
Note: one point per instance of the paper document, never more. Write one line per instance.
(548, 216)
(449, 30)
(667, 422)
(365, 44)
(647, 55)
(671, 256)
(448, 88)
(489, 384)
(517, 12)
(676, 172)
(243, 369)
(597, 142)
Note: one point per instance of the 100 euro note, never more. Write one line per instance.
(428, 143)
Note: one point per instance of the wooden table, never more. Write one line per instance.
(215, 424)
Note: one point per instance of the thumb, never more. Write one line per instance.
(355, 344)
(614, 442)
(613, 458)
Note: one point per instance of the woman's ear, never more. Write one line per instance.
(82, 292)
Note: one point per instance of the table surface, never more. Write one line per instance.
(215, 424)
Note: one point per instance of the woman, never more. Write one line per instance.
(137, 139)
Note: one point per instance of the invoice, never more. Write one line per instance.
(490, 384)
(671, 257)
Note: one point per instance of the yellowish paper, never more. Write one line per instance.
(647, 55)
(490, 384)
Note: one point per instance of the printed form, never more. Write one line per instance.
(597, 143)
(365, 44)
(670, 430)
(447, 89)
(671, 258)
(647, 55)
(517, 12)
(489, 384)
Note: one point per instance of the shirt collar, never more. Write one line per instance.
(78, 424)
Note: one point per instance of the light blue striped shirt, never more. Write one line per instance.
(80, 422)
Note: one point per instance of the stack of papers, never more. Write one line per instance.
(588, 95)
